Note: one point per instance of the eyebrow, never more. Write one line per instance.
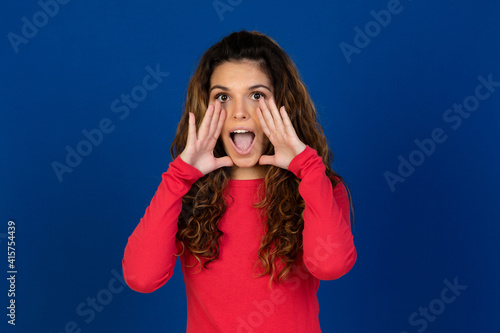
(249, 88)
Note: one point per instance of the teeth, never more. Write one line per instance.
(240, 131)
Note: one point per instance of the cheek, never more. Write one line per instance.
(226, 141)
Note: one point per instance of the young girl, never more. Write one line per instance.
(250, 204)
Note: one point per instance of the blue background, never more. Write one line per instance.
(440, 223)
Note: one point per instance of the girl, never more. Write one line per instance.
(250, 205)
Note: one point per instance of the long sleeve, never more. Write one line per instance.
(149, 260)
(328, 245)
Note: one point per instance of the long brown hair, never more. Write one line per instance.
(203, 205)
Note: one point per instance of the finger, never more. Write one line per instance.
(263, 122)
(288, 123)
(215, 121)
(205, 124)
(220, 123)
(191, 129)
(267, 115)
(266, 160)
(278, 122)
(225, 161)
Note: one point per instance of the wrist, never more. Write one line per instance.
(300, 149)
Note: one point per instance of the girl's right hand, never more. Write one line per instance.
(199, 150)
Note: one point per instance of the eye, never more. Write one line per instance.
(222, 97)
(258, 95)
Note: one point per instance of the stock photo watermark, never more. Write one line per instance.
(30, 27)
(454, 117)
(222, 7)
(94, 137)
(91, 306)
(11, 272)
(264, 309)
(363, 37)
(420, 320)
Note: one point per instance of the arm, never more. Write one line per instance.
(148, 260)
(329, 251)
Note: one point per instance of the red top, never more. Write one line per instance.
(227, 297)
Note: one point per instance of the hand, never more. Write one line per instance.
(199, 150)
(281, 134)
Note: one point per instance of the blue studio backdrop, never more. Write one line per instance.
(408, 93)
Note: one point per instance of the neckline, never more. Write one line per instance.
(245, 182)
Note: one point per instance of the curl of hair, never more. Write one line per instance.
(203, 206)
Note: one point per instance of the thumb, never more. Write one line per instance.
(266, 159)
(225, 161)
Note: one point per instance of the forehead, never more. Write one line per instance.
(239, 73)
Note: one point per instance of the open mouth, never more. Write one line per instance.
(243, 141)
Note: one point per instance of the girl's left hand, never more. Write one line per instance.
(279, 129)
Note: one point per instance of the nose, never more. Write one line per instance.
(239, 109)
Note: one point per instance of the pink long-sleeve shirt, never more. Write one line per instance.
(227, 297)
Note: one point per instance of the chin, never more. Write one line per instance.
(246, 161)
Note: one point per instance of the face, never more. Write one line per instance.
(239, 86)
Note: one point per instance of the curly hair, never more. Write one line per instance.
(203, 205)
